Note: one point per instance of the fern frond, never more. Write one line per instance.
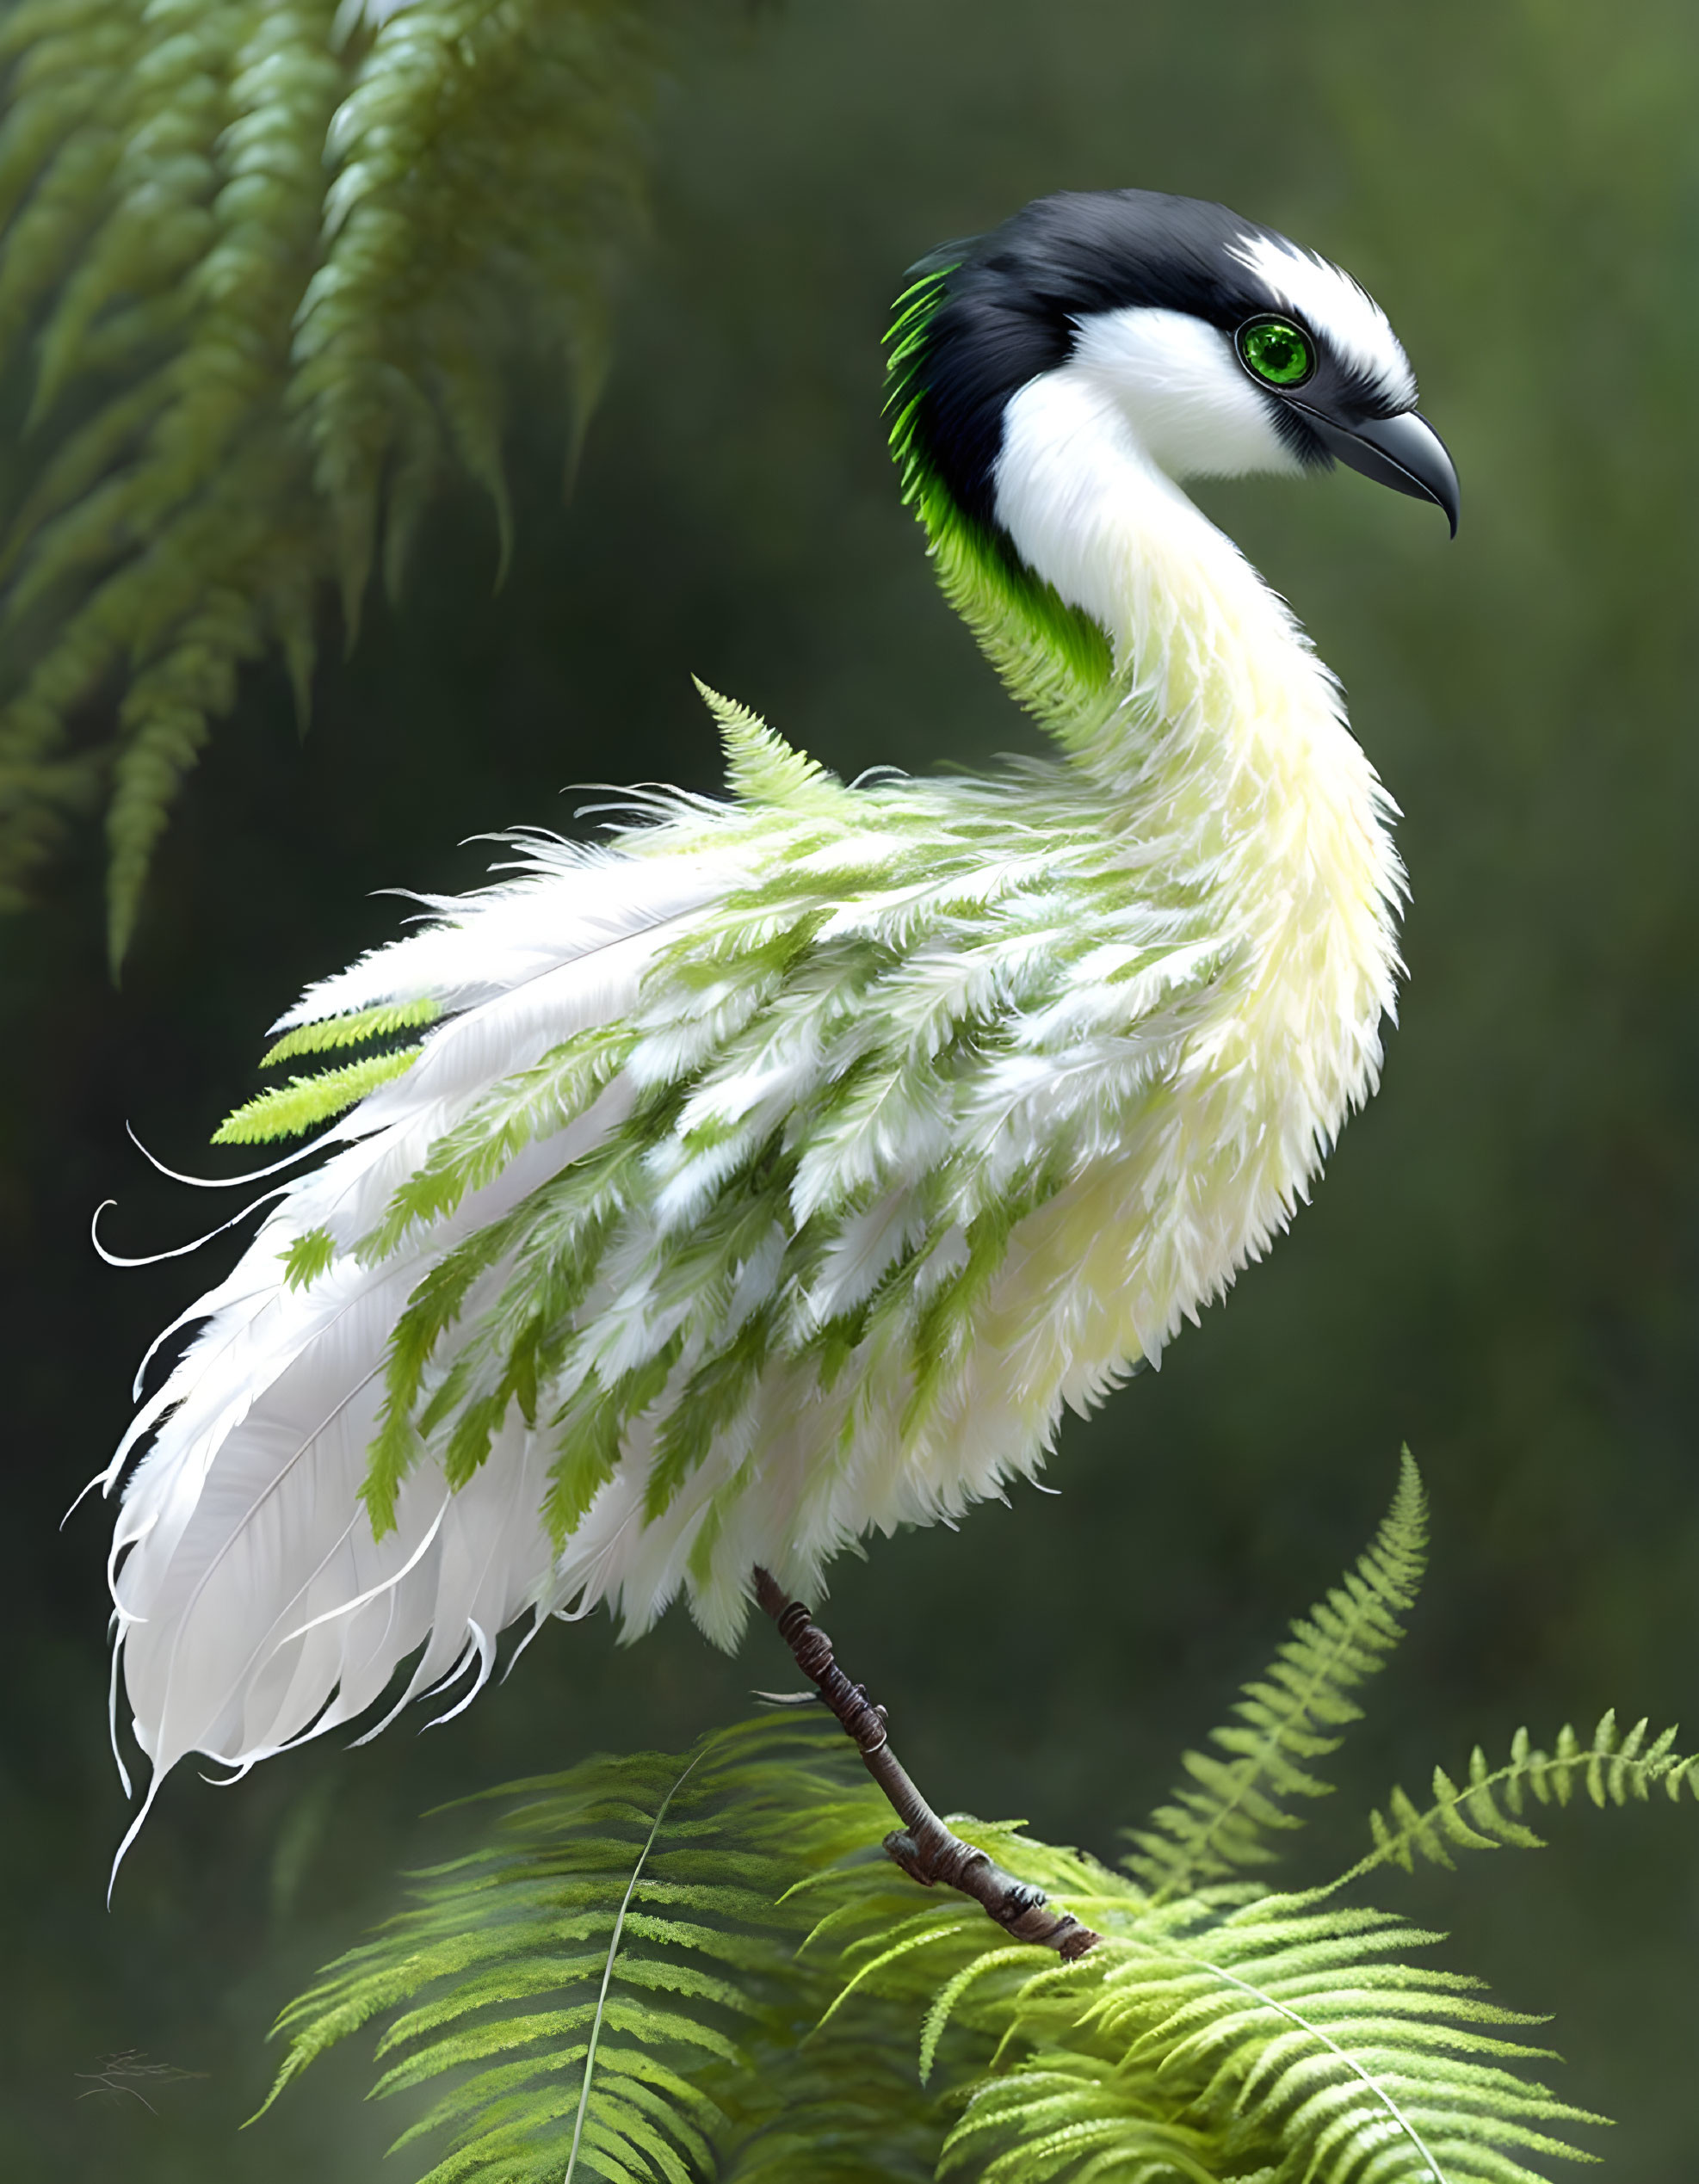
(351, 1030)
(671, 1969)
(1231, 2033)
(276, 267)
(1307, 2049)
(1483, 1812)
(621, 1968)
(289, 1109)
(761, 767)
(1063, 2114)
(1218, 1822)
(588, 1983)
(843, 2109)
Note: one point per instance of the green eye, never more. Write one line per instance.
(1277, 351)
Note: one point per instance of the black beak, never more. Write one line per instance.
(1405, 452)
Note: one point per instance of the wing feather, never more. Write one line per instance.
(254, 1604)
(758, 1126)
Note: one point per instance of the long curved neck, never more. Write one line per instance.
(1219, 732)
(1203, 651)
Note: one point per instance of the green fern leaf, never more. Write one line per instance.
(761, 767)
(275, 269)
(1217, 1821)
(667, 1969)
(351, 1030)
(846, 2110)
(950, 1994)
(308, 1258)
(290, 1108)
(1482, 1814)
(589, 1985)
(1285, 2040)
(1063, 2114)
(715, 1990)
(1230, 2034)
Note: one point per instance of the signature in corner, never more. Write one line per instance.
(127, 2073)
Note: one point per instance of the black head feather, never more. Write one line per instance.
(1009, 303)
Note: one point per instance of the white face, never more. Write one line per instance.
(1190, 403)
(1193, 406)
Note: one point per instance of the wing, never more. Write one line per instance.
(254, 1601)
(728, 1197)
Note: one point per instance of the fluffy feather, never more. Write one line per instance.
(779, 1170)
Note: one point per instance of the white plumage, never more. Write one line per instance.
(796, 1157)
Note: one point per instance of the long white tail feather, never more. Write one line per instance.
(311, 1150)
(175, 1251)
(502, 936)
(253, 1604)
(245, 1520)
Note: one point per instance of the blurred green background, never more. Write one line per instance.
(1500, 1265)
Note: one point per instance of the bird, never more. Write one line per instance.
(773, 1169)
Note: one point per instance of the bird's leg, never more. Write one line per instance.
(924, 1846)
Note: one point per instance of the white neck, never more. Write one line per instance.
(1231, 742)
(1194, 631)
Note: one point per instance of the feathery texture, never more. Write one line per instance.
(1055, 659)
(273, 268)
(775, 1170)
(1229, 2031)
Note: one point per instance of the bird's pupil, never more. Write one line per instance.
(1276, 352)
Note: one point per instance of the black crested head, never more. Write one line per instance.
(1004, 308)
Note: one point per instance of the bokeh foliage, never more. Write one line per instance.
(1500, 1264)
(268, 273)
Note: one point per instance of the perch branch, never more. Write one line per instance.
(924, 1846)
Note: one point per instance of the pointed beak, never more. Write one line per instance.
(1405, 452)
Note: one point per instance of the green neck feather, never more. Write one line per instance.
(1054, 659)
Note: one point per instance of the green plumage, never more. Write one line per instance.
(953, 997)
(306, 1101)
(1054, 658)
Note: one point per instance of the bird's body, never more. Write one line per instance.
(777, 1168)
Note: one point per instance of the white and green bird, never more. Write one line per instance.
(776, 1170)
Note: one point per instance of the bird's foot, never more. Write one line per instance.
(925, 1849)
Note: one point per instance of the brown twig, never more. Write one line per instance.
(924, 1846)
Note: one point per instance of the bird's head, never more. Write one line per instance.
(1224, 348)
